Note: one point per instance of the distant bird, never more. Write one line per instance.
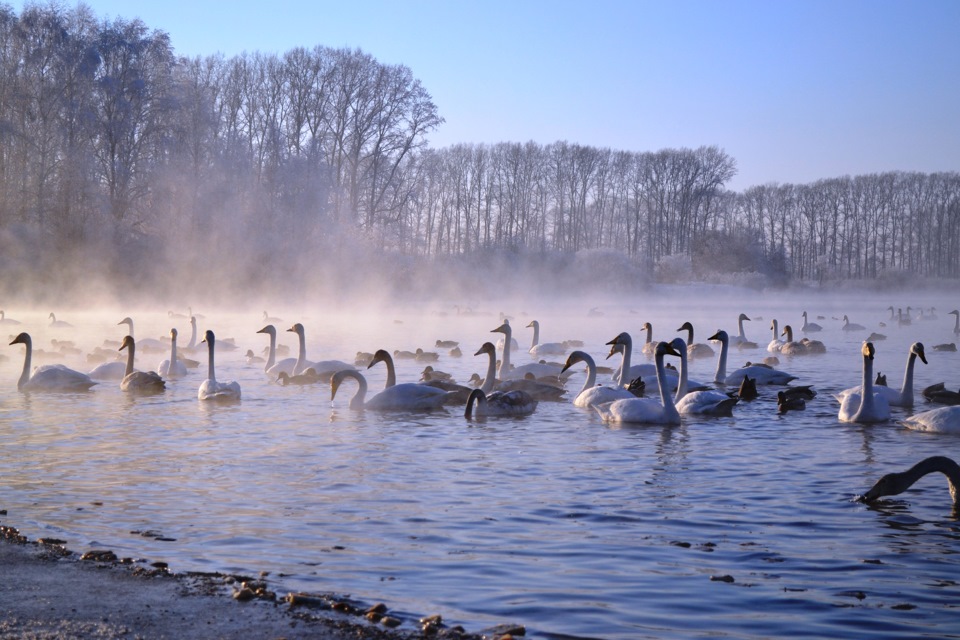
(694, 349)
(59, 324)
(809, 327)
(267, 318)
(172, 367)
(538, 348)
(949, 346)
(5, 320)
(956, 324)
(895, 483)
(852, 326)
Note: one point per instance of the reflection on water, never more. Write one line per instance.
(742, 527)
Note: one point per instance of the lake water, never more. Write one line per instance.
(741, 527)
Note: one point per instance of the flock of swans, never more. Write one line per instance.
(645, 393)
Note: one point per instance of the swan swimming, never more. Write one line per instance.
(145, 382)
(507, 372)
(324, 368)
(868, 406)
(628, 372)
(809, 327)
(172, 367)
(591, 393)
(707, 402)
(939, 420)
(851, 326)
(695, 349)
(499, 403)
(740, 339)
(147, 345)
(763, 375)
(904, 396)
(538, 348)
(272, 367)
(210, 389)
(5, 320)
(645, 410)
(776, 344)
(49, 377)
(59, 324)
(408, 396)
(895, 483)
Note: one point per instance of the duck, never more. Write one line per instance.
(893, 484)
(144, 382)
(939, 394)
(868, 406)
(307, 377)
(645, 410)
(532, 386)
(851, 326)
(591, 393)
(172, 367)
(809, 327)
(695, 349)
(507, 372)
(147, 345)
(939, 420)
(538, 348)
(446, 344)
(48, 377)
(748, 389)
(252, 358)
(904, 396)
(324, 368)
(762, 374)
(211, 389)
(876, 337)
(775, 345)
(272, 367)
(408, 396)
(789, 403)
(58, 324)
(947, 346)
(499, 403)
(5, 320)
(706, 402)
(431, 374)
(425, 356)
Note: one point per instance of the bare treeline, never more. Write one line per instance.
(113, 147)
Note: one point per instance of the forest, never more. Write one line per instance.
(122, 162)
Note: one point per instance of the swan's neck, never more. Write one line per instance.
(536, 334)
(866, 397)
(789, 331)
(272, 355)
(505, 358)
(627, 346)
(649, 330)
(682, 384)
(360, 396)
(301, 353)
(721, 376)
(906, 391)
(665, 397)
(740, 329)
(193, 335)
(489, 381)
(690, 335)
(391, 371)
(591, 380)
(478, 397)
(894, 483)
(130, 349)
(956, 325)
(776, 332)
(210, 369)
(173, 352)
(27, 360)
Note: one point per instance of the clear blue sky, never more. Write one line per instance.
(793, 90)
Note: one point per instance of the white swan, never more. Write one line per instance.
(272, 367)
(49, 377)
(211, 389)
(529, 383)
(173, 367)
(5, 320)
(59, 324)
(895, 483)
(138, 381)
(809, 327)
(114, 370)
(270, 319)
(499, 403)
(741, 337)
(763, 375)
(147, 345)
(507, 372)
(904, 396)
(645, 410)
(649, 346)
(852, 326)
(538, 348)
(591, 393)
(408, 396)
(805, 347)
(695, 349)
(956, 325)
(324, 368)
(940, 420)
(869, 405)
(702, 401)
(623, 343)
(776, 344)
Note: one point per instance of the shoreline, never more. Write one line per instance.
(48, 591)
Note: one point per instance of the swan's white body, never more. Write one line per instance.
(538, 348)
(49, 377)
(273, 368)
(895, 398)
(701, 402)
(592, 394)
(408, 396)
(809, 327)
(762, 375)
(109, 371)
(507, 372)
(645, 410)
(138, 381)
(499, 403)
(868, 406)
(940, 420)
(776, 344)
(211, 389)
(172, 367)
(322, 367)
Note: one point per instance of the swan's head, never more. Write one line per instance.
(534, 323)
(127, 343)
(888, 485)
(265, 316)
(337, 379)
(487, 347)
(297, 329)
(51, 316)
(382, 355)
(503, 328)
(574, 358)
(23, 338)
(743, 316)
(647, 326)
(720, 336)
(621, 339)
(686, 326)
(208, 337)
(127, 321)
(955, 312)
(666, 349)
(193, 320)
(773, 324)
(269, 330)
(678, 345)
(867, 350)
(917, 349)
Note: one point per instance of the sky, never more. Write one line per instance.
(794, 91)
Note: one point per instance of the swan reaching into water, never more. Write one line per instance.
(211, 389)
(939, 420)
(499, 403)
(706, 402)
(809, 327)
(408, 396)
(851, 326)
(58, 324)
(507, 372)
(324, 368)
(895, 398)
(145, 382)
(272, 367)
(762, 374)
(895, 483)
(538, 348)
(869, 405)
(591, 393)
(49, 377)
(645, 410)
(695, 349)
(172, 367)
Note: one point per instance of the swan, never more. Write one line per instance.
(272, 367)
(506, 372)
(49, 377)
(741, 339)
(173, 367)
(538, 348)
(868, 406)
(776, 344)
(938, 393)
(649, 346)
(499, 403)
(139, 381)
(894, 483)
(895, 398)
(939, 420)
(852, 326)
(805, 347)
(324, 368)
(809, 327)
(113, 370)
(591, 393)
(903, 319)
(408, 396)
(193, 334)
(695, 350)
(5, 320)
(147, 345)
(703, 401)
(211, 389)
(537, 390)
(270, 319)
(762, 374)
(645, 410)
(59, 324)
(627, 372)
(956, 324)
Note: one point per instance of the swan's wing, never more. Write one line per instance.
(601, 395)
(57, 377)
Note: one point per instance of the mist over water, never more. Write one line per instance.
(558, 521)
